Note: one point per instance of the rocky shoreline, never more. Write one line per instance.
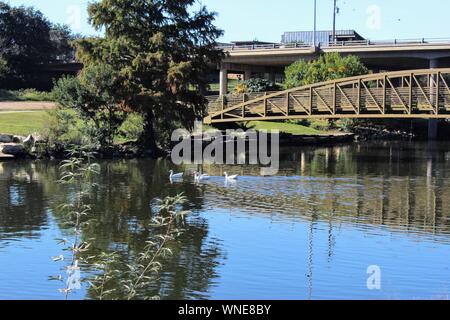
(12, 146)
(33, 147)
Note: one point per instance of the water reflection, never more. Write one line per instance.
(403, 186)
(22, 200)
(333, 195)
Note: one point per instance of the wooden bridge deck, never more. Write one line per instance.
(405, 94)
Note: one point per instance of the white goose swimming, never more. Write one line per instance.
(199, 177)
(230, 178)
(175, 175)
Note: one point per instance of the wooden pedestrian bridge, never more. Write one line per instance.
(405, 94)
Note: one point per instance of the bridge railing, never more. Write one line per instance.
(232, 47)
(395, 42)
(218, 103)
(355, 43)
(401, 94)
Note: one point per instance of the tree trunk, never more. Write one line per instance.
(147, 141)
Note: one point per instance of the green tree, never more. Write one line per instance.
(92, 94)
(62, 37)
(330, 66)
(162, 51)
(24, 41)
(28, 41)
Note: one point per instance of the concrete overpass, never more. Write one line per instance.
(269, 60)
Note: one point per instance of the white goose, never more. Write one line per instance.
(175, 175)
(199, 177)
(230, 178)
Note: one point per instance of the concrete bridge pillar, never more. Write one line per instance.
(248, 75)
(223, 86)
(433, 123)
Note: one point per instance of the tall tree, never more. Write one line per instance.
(162, 51)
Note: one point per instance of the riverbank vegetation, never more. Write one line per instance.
(294, 128)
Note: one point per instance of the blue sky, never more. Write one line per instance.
(266, 20)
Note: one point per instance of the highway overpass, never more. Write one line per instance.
(269, 60)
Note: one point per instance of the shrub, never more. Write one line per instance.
(241, 87)
(65, 128)
(349, 124)
(92, 96)
(330, 66)
(321, 125)
(256, 85)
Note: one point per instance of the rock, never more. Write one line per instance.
(18, 139)
(13, 149)
(6, 156)
(6, 138)
(29, 142)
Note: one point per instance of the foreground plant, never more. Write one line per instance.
(109, 281)
(146, 266)
(76, 172)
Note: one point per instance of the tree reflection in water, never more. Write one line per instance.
(401, 187)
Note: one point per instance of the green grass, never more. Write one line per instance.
(284, 127)
(22, 123)
(25, 95)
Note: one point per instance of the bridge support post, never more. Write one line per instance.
(433, 123)
(223, 87)
(248, 75)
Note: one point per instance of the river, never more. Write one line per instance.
(317, 230)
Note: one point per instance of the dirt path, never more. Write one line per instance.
(26, 106)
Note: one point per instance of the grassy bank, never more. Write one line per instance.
(289, 128)
(22, 123)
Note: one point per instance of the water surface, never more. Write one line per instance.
(310, 232)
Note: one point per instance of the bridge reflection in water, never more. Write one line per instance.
(404, 189)
(404, 94)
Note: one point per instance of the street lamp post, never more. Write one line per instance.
(334, 21)
(315, 24)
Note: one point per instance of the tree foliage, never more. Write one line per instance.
(92, 94)
(256, 85)
(28, 41)
(330, 66)
(62, 37)
(161, 51)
